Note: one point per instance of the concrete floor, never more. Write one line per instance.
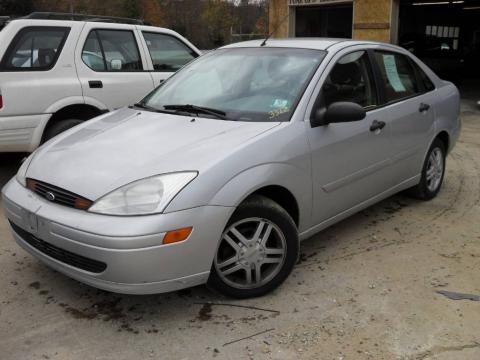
(364, 289)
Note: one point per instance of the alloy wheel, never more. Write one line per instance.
(435, 169)
(251, 253)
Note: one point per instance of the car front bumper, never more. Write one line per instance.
(130, 247)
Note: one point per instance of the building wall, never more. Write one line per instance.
(372, 19)
(278, 18)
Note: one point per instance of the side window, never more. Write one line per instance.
(168, 53)
(92, 53)
(351, 80)
(35, 48)
(397, 74)
(426, 82)
(111, 50)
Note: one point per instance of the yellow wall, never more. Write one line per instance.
(372, 19)
(278, 18)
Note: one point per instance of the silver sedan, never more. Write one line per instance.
(217, 175)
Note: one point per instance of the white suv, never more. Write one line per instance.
(56, 73)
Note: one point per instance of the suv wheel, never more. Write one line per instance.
(257, 251)
(60, 127)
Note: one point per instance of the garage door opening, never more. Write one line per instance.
(444, 34)
(324, 21)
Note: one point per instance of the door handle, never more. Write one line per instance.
(377, 125)
(95, 84)
(423, 107)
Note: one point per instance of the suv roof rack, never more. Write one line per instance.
(3, 21)
(82, 17)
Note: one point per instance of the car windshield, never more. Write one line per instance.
(244, 84)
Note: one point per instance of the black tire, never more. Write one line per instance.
(265, 209)
(422, 190)
(60, 127)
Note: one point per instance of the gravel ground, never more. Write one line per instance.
(365, 288)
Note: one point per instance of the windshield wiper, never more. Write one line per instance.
(198, 109)
(144, 106)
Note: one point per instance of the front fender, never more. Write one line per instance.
(243, 184)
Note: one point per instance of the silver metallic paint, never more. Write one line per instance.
(332, 171)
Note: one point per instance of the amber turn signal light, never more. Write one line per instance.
(177, 235)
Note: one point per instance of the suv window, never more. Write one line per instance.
(111, 50)
(35, 48)
(351, 80)
(167, 53)
(397, 74)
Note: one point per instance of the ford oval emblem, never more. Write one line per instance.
(50, 196)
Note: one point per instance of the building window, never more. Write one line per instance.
(448, 34)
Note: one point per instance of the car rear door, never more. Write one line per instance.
(409, 113)
(111, 65)
(349, 160)
(166, 51)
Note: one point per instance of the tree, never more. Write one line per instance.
(131, 8)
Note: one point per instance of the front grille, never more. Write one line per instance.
(57, 195)
(59, 254)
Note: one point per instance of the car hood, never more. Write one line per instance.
(115, 149)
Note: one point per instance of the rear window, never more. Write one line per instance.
(34, 49)
(397, 74)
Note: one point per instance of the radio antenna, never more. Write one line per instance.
(264, 42)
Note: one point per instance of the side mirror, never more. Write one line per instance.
(116, 64)
(338, 112)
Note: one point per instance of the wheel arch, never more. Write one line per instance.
(76, 111)
(444, 137)
(282, 196)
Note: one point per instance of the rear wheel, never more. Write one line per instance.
(432, 173)
(60, 127)
(257, 251)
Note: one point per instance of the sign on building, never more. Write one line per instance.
(315, 2)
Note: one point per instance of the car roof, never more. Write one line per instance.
(304, 43)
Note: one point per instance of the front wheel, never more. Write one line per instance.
(432, 173)
(257, 251)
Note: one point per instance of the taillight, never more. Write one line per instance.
(1, 101)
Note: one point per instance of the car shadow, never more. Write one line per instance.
(9, 164)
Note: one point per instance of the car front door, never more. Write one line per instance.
(408, 99)
(112, 66)
(349, 160)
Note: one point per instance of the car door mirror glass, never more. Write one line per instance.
(116, 64)
(338, 112)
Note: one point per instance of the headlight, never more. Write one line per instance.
(142, 197)
(22, 172)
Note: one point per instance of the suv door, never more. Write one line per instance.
(111, 65)
(349, 160)
(407, 100)
(166, 53)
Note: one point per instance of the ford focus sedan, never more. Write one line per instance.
(217, 175)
